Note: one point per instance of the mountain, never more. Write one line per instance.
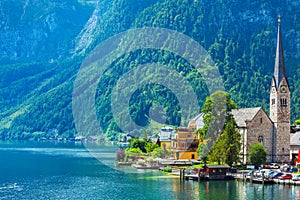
(44, 44)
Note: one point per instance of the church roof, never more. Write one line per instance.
(244, 114)
(279, 68)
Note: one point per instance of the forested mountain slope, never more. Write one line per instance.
(44, 43)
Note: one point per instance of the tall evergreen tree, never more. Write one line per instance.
(222, 144)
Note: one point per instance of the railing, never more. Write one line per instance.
(186, 140)
(184, 148)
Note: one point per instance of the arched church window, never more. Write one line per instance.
(260, 139)
(283, 102)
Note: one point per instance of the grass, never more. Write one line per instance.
(201, 165)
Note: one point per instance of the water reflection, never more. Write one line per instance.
(232, 190)
(185, 189)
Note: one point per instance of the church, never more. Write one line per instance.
(272, 131)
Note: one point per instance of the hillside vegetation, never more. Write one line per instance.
(43, 45)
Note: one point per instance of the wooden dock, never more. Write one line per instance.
(286, 182)
(218, 172)
(236, 176)
(195, 177)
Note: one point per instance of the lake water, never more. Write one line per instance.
(68, 171)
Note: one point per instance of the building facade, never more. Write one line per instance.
(165, 136)
(295, 144)
(185, 144)
(254, 126)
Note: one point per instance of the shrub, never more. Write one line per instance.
(167, 169)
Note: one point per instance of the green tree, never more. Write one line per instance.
(133, 151)
(297, 121)
(160, 152)
(138, 144)
(150, 147)
(145, 136)
(227, 148)
(219, 137)
(232, 141)
(257, 154)
(217, 154)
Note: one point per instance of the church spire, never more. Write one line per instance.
(280, 111)
(279, 69)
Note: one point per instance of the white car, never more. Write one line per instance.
(274, 166)
(296, 177)
(259, 173)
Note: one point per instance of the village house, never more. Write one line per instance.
(295, 144)
(165, 136)
(185, 142)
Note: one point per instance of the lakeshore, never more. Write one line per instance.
(186, 173)
(49, 170)
(241, 177)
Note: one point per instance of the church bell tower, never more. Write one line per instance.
(280, 105)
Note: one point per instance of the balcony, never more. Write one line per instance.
(184, 149)
(185, 144)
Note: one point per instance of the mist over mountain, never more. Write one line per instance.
(43, 44)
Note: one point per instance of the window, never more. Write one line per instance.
(261, 139)
(273, 101)
(261, 120)
(283, 102)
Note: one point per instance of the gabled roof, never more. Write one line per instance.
(244, 114)
(153, 140)
(198, 117)
(199, 120)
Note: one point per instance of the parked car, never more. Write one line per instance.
(274, 166)
(267, 166)
(286, 176)
(257, 173)
(285, 168)
(249, 173)
(269, 174)
(276, 174)
(293, 169)
(296, 177)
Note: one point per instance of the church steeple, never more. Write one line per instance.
(280, 105)
(279, 68)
